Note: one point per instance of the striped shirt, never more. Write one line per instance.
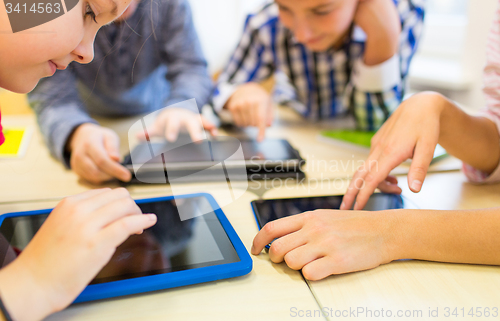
(492, 94)
(326, 84)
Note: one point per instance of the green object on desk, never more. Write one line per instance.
(363, 139)
(351, 136)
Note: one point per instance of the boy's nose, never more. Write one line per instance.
(303, 32)
(84, 52)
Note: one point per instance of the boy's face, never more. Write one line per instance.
(29, 55)
(317, 24)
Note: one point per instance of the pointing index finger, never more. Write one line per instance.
(276, 229)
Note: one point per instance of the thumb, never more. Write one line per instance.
(112, 146)
(147, 134)
(209, 126)
(262, 119)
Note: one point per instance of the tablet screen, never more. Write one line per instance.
(214, 151)
(171, 245)
(270, 210)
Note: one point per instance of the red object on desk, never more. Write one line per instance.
(2, 138)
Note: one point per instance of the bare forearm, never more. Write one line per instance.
(21, 295)
(474, 140)
(378, 50)
(381, 23)
(470, 236)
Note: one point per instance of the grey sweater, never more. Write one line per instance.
(150, 61)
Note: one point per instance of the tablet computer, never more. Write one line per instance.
(185, 160)
(172, 253)
(188, 155)
(273, 209)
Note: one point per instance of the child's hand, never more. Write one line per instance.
(76, 241)
(411, 132)
(95, 154)
(170, 121)
(380, 20)
(326, 242)
(251, 105)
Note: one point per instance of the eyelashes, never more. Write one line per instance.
(323, 13)
(90, 13)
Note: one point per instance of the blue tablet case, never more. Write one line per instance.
(172, 279)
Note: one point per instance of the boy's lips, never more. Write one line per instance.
(58, 66)
(53, 67)
(315, 40)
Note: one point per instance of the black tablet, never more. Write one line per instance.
(172, 253)
(273, 209)
(188, 161)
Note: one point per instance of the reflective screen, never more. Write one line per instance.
(171, 245)
(215, 150)
(270, 210)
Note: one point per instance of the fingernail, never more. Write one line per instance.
(342, 206)
(152, 217)
(416, 185)
(355, 208)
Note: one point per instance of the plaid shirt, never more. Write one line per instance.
(323, 84)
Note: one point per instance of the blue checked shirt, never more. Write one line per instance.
(323, 84)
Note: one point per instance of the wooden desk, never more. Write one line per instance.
(267, 293)
(415, 285)
(271, 291)
(38, 176)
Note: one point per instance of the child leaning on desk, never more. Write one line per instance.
(81, 234)
(148, 59)
(328, 57)
(328, 242)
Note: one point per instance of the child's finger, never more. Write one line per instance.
(112, 146)
(195, 129)
(88, 194)
(207, 124)
(422, 158)
(262, 123)
(356, 184)
(390, 188)
(119, 231)
(237, 115)
(172, 128)
(377, 174)
(87, 168)
(246, 114)
(297, 258)
(276, 229)
(105, 164)
(392, 179)
(280, 247)
(320, 269)
(113, 211)
(210, 127)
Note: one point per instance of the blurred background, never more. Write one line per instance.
(450, 58)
